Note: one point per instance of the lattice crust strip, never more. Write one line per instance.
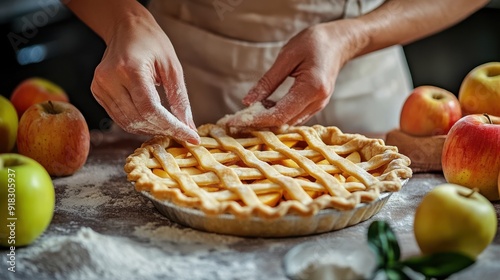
(300, 170)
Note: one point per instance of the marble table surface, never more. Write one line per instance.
(103, 229)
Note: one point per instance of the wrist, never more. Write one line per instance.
(104, 17)
(127, 19)
(351, 35)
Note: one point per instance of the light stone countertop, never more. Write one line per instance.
(103, 229)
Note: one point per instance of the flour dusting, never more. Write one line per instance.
(106, 186)
(244, 116)
(338, 259)
(99, 173)
(157, 233)
(89, 255)
(87, 198)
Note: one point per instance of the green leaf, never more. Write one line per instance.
(439, 265)
(384, 243)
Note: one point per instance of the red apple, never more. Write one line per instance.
(55, 134)
(471, 154)
(35, 90)
(429, 111)
(480, 90)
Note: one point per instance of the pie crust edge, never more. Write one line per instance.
(390, 180)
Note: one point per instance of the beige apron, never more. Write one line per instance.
(225, 46)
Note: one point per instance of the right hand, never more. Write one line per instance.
(138, 57)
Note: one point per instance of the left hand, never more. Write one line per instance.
(314, 58)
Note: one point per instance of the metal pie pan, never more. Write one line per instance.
(287, 226)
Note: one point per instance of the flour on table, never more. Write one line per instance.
(89, 255)
(157, 233)
(82, 194)
(87, 198)
(335, 260)
(100, 173)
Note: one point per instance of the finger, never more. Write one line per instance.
(306, 97)
(147, 102)
(103, 98)
(117, 109)
(115, 99)
(261, 119)
(177, 96)
(306, 91)
(290, 108)
(304, 116)
(272, 79)
(137, 119)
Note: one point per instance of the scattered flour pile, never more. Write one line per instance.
(89, 255)
(82, 194)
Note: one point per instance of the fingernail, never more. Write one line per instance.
(193, 138)
(194, 141)
(248, 100)
(251, 97)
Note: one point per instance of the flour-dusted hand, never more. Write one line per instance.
(138, 57)
(313, 57)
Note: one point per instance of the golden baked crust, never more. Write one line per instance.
(298, 171)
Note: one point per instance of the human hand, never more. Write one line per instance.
(314, 58)
(139, 56)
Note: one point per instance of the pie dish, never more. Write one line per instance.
(297, 172)
(325, 220)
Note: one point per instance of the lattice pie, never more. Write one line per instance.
(298, 171)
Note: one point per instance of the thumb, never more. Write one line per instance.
(271, 80)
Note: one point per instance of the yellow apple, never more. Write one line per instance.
(429, 111)
(55, 134)
(453, 218)
(35, 90)
(480, 90)
(8, 125)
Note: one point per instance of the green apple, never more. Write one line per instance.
(27, 200)
(8, 125)
(453, 218)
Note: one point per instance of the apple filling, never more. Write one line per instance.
(298, 171)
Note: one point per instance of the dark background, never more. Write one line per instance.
(62, 49)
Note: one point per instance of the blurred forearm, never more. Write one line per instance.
(404, 21)
(103, 16)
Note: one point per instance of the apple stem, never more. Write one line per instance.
(9, 162)
(473, 190)
(437, 96)
(488, 117)
(52, 106)
(51, 109)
